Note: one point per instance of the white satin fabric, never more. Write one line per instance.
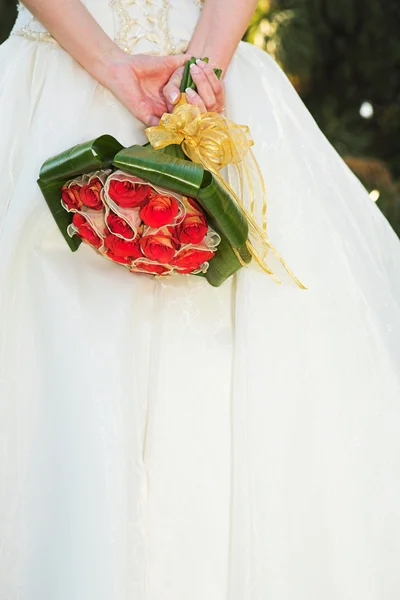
(165, 440)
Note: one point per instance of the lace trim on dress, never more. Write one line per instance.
(29, 30)
(151, 24)
(38, 36)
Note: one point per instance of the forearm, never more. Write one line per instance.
(220, 28)
(75, 29)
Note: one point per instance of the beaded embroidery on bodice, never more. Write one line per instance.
(32, 29)
(151, 22)
(135, 25)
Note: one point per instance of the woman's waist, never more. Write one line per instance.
(148, 26)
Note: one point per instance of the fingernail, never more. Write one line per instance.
(191, 93)
(194, 68)
(201, 63)
(174, 97)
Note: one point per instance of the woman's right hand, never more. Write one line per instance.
(137, 82)
(210, 95)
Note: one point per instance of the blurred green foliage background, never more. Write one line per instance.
(8, 13)
(343, 57)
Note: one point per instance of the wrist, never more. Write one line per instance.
(108, 63)
(215, 57)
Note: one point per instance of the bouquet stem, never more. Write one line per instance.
(187, 81)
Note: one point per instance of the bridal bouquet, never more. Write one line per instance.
(147, 210)
(165, 208)
(146, 228)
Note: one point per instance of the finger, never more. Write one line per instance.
(213, 80)
(194, 98)
(216, 85)
(174, 61)
(204, 88)
(151, 120)
(148, 118)
(149, 113)
(171, 90)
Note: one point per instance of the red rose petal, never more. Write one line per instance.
(159, 211)
(128, 194)
(123, 248)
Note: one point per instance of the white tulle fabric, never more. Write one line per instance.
(165, 440)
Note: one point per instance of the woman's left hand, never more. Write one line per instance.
(210, 95)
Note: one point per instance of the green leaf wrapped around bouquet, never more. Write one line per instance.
(225, 263)
(83, 158)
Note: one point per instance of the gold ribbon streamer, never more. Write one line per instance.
(215, 142)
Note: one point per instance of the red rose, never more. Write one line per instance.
(190, 259)
(90, 194)
(118, 225)
(86, 231)
(119, 259)
(159, 210)
(79, 220)
(154, 269)
(122, 248)
(160, 246)
(128, 194)
(71, 196)
(193, 229)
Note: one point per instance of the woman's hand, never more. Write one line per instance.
(210, 96)
(138, 81)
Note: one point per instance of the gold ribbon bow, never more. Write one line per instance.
(209, 139)
(215, 142)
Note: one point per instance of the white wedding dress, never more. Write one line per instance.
(167, 440)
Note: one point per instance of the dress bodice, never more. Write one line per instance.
(149, 26)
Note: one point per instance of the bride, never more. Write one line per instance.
(163, 439)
